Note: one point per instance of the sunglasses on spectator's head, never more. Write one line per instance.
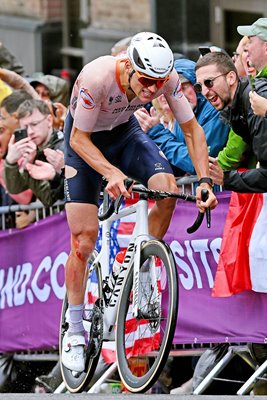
(207, 82)
(148, 81)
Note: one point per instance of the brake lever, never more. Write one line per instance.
(127, 183)
(199, 219)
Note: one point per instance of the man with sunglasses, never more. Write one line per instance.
(218, 81)
(103, 138)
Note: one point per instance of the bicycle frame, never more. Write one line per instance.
(132, 257)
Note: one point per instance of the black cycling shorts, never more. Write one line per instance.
(126, 146)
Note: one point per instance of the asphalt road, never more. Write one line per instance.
(85, 396)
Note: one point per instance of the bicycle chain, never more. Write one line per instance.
(96, 331)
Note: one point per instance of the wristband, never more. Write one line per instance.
(207, 180)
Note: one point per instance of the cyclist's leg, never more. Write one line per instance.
(161, 213)
(144, 161)
(83, 225)
(82, 187)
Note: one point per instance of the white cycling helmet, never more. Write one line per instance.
(151, 55)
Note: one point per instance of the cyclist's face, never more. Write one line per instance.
(145, 93)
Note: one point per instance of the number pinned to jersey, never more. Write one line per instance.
(86, 99)
(178, 90)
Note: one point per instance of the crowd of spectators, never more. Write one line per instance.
(228, 97)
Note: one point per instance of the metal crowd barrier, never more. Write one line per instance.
(41, 212)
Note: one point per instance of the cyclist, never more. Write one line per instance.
(103, 138)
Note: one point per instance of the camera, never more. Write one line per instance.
(20, 133)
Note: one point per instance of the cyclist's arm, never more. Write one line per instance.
(82, 144)
(197, 146)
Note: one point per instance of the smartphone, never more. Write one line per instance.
(204, 50)
(20, 133)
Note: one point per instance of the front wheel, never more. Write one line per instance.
(143, 343)
(93, 323)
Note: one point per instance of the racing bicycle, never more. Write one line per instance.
(137, 308)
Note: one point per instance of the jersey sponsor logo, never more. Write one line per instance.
(159, 167)
(86, 99)
(178, 92)
(118, 98)
(127, 108)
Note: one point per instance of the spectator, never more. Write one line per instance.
(241, 60)
(237, 153)
(55, 91)
(42, 148)
(8, 123)
(173, 145)
(164, 113)
(51, 88)
(218, 81)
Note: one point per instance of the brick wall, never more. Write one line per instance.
(122, 15)
(47, 10)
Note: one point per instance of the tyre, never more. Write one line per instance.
(143, 343)
(93, 323)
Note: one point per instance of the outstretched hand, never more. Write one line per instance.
(147, 119)
(41, 170)
(216, 171)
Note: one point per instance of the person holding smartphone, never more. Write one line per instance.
(9, 123)
(35, 161)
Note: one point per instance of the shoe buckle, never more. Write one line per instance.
(67, 348)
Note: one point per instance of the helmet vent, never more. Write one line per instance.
(137, 59)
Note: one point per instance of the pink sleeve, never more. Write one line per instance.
(177, 100)
(89, 92)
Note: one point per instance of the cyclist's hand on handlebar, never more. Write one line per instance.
(210, 202)
(116, 187)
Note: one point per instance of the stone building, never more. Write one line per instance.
(48, 35)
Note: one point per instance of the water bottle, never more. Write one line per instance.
(118, 263)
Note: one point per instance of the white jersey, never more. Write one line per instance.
(99, 103)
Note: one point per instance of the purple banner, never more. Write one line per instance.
(202, 318)
(32, 284)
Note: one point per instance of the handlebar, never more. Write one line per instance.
(110, 206)
(193, 228)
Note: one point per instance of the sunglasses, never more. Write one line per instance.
(207, 82)
(146, 82)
